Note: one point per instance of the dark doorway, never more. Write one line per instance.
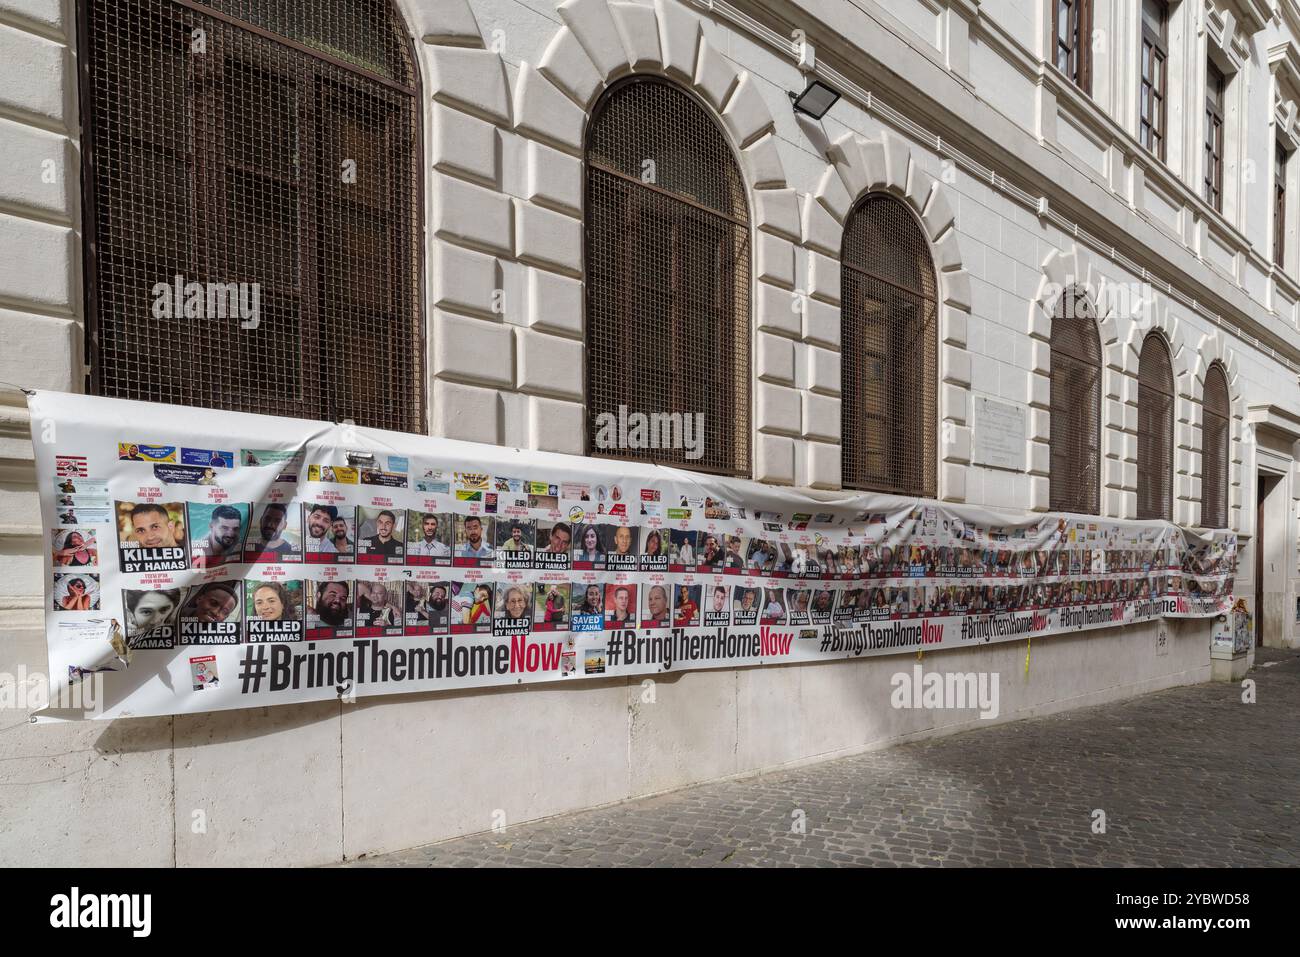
(1265, 485)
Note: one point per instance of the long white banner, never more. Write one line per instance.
(200, 560)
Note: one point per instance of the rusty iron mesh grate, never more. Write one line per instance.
(668, 277)
(1155, 438)
(1215, 426)
(889, 373)
(280, 155)
(1074, 423)
(363, 33)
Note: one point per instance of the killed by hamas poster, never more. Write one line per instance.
(201, 560)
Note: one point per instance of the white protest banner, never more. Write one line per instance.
(202, 560)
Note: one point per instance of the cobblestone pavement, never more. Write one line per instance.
(1187, 777)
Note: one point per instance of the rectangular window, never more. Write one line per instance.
(234, 262)
(1215, 85)
(1279, 204)
(1155, 73)
(1071, 33)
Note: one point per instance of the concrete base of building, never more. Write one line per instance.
(318, 783)
(1229, 669)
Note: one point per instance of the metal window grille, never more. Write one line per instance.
(667, 271)
(1155, 70)
(1215, 85)
(1215, 431)
(268, 152)
(889, 353)
(1072, 33)
(1074, 424)
(1155, 437)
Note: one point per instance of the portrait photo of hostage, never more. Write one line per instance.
(429, 537)
(380, 536)
(620, 606)
(550, 607)
(846, 608)
(823, 606)
(762, 555)
(828, 559)
(216, 533)
(418, 606)
(428, 608)
(554, 541)
(329, 609)
(681, 544)
(589, 546)
(151, 617)
(804, 560)
(959, 597)
(515, 538)
(78, 592)
(473, 541)
(275, 535)
(873, 604)
(717, 614)
(471, 608)
(211, 614)
(711, 553)
(798, 603)
(273, 611)
(379, 608)
(686, 606)
(622, 547)
(203, 673)
(74, 547)
(329, 533)
(745, 602)
(151, 536)
(588, 607)
(656, 612)
(733, 558)
(773, 607)
(654, 551)
(788, 560)
(514, 610)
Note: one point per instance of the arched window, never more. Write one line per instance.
(253, 207)
(889, 347)
(667, 271)
(1215, 430)
(1155, 438)
(1074, 425)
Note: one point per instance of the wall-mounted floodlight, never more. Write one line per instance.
(815, 100)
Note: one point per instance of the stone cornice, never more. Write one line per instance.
(934, 99)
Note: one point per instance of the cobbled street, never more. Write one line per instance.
(1186, 777)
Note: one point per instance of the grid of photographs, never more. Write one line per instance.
(318, 570)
